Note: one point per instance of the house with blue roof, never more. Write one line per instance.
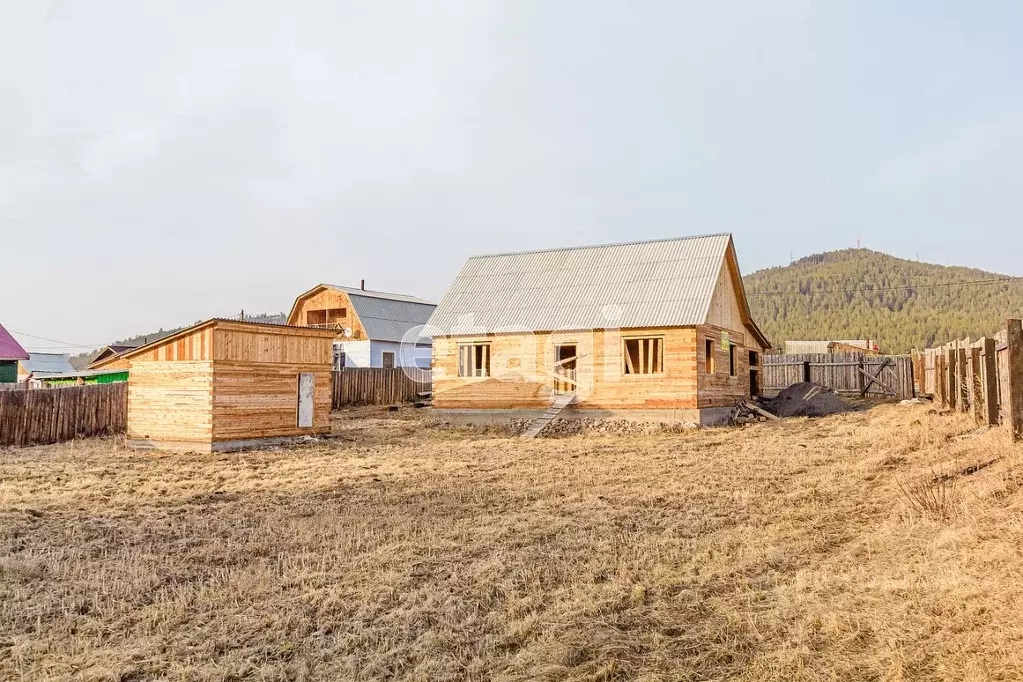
(40, 366)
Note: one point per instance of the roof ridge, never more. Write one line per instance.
(600, 246)
(372, 293)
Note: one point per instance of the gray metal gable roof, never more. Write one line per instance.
(668, 282)
(46, 364)
(388, 319)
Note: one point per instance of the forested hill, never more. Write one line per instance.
(858, 294)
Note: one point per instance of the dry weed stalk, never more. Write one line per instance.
(937, 497)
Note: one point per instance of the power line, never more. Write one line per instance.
(880, 289)
(66, 344)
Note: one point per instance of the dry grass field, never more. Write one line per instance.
(878, 545)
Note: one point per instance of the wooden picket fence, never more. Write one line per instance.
(60, 414)
(379, 386)
(851, 374)
(983, 377)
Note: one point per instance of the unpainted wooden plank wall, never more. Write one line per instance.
(59, 414)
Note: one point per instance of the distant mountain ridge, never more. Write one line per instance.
(83, 359)
(859, 293)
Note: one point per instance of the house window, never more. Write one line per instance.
(339, 359)
(731, 359)
(325, 318)
(754, 359)
(709, 356)
(474, 359)
(643, 356)
(388, 360)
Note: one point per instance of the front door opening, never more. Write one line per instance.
(565, 358)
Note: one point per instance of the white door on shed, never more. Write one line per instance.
(306, 383)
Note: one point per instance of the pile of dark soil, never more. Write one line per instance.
(806, 399)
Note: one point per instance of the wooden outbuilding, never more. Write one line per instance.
(656, 331)
(224, 384)
(11, 353)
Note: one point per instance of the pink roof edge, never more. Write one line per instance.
(9, 348)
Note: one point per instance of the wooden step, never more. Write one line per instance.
(561, 401)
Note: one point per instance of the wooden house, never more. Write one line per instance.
(11, 353)
(369, 326)
(223, 385)
(657, 330)
(111, 357)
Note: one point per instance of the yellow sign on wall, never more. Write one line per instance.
(724, 340)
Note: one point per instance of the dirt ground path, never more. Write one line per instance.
(883, 544)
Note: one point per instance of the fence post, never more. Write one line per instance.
(991, 380)
(950, 376)
(806, 371)
(962, 390)
(1015, 367)
(976, 389)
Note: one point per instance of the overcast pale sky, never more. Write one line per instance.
(162, 162)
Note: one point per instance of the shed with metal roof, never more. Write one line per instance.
(225, 384)
(40, 366)
(656, 330)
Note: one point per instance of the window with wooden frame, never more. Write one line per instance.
(643, 355)
(731, 359)
(708, 357)
(474, 359)
(387, 359)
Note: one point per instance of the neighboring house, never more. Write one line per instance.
(110, 357)
(11, 353)
(370, 325)
(88, 377)
(830, 346)
(657, 330)
(40, 366)
(225, 384)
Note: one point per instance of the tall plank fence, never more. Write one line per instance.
(851, 374)
(983, 377)
(59, 414)
(379, 386)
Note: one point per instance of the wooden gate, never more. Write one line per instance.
(856, 374)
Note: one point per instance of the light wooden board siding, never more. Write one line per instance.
(171, 400)
(724, 311)
(113, 362)
(326, 299)
(261, 400)
(269, 345)
(198, 345)
(721, 389)
(520, 361)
